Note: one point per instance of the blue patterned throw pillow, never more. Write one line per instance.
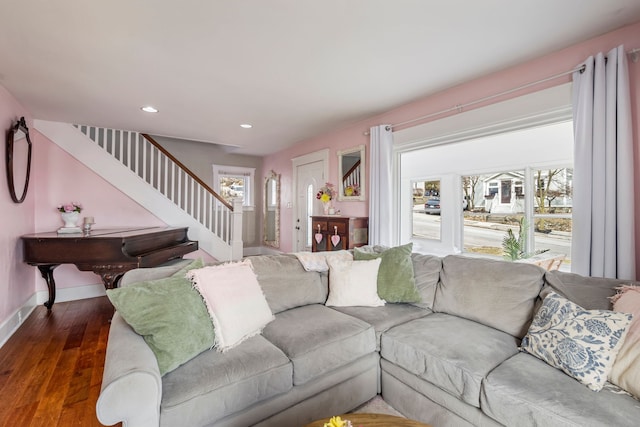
(582, 343)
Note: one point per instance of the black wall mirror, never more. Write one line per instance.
(18, 160)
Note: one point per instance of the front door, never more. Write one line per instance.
(505, 192)
(310, 177)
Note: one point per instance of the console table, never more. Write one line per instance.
(349, 232)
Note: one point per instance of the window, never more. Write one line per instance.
(504, 143)
(479, 199)
(546, 226)
(426, 209)
(235, 182)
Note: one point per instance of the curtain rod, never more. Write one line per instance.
(633, 53)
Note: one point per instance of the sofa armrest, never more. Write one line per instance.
(131, 382)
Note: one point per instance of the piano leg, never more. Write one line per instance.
(46, 270)
(110, 278)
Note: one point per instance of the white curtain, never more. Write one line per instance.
(603, 243)
(380, 193)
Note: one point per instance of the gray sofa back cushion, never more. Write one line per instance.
(499, 294)
(286, 284)
(426, 270)
(591, 293)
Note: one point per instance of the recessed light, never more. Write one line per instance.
(246, 126)
(149, 109)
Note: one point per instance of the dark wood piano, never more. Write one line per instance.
(108, 252)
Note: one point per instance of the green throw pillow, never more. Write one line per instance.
(396, 282)
(169, 314)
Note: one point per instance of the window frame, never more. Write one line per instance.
(247, 174)
(538, 109)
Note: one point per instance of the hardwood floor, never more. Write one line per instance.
(51, 368)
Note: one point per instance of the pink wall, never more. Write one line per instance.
(534, 70)
(59, 178)
(56, 178)
(16, 278)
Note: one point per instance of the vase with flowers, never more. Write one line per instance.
(325, 195)
(70, 213)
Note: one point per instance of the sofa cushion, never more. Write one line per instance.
(582, 343)
(426, 271)
(384, 318)
(319, 339)
(396, 281)
(169, 314)
(525, 391)
(452, 353)
(589, 292)
(499, 294)
(286, 284)
(214, 384)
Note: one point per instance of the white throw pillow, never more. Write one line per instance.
(317, 261)
(582, 343)
(353, 283)
(234, 300)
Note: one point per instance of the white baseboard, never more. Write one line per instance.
(72, 294)
(13, 322)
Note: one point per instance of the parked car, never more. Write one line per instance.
(432, 206)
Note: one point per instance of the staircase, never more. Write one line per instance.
(143, 170)
(352, 177)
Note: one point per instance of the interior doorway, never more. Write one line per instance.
(310, 172)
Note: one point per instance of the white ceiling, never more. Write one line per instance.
(292, 68)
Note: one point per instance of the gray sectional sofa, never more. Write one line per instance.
(451, 359)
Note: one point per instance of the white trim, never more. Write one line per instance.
(363, 178)
(547, 118)
(73, 294)
(316, 156)
(539, 108)
(18, 317)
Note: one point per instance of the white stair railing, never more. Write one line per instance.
(352, 177)
(158, 168)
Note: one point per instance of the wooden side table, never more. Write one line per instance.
(351, 232)
(373, 420)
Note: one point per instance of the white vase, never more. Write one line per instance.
(326, 206)
(70, 219)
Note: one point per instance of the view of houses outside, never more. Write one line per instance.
(495, 203)
(231, 187)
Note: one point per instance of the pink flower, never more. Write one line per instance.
(70, 207)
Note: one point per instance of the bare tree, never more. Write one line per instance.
(469, 187)
(547, 186)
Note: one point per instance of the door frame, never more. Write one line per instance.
(316, 156)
